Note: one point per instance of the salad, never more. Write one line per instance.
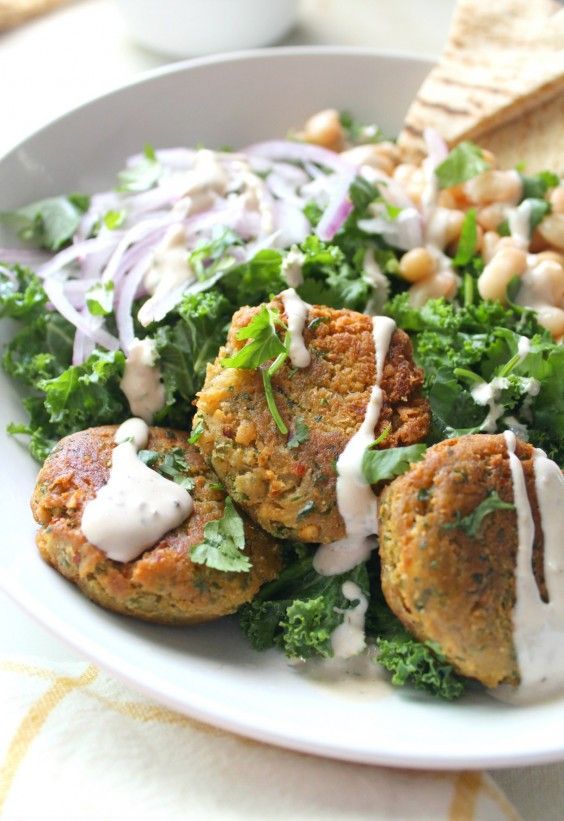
(464, 258)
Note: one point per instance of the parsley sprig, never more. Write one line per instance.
(265, 345)
(224, 541)
(471, 523)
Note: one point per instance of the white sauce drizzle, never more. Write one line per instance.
(357, 503)
(169, 271)
(538, 627)
(142, 382)
(348, 638)
(292, 267)
(296, 313)
(519, 222)
(137, 506)
(488, 393)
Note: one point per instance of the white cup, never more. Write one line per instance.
(184, 28)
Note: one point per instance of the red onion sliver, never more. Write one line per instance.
(23, 256)
(337, 211)
(303, 152)
(76, 252)
(54, 288)
(124, 301)
(437, 149)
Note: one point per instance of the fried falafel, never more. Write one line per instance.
(287, 483)
(449, 574)
(163, 585)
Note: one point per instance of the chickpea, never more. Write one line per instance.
(417, 264)
(412, 179)
(371, 155)
(551, 318)
(553, 255)
(506, 263)
(494, 186)
(547, 278)
(491, 216)
(325, 129)
(552, 230)
(444, 226)
(489, 245)
(443, 284)
(404, 173)
(557, 199)
(446, 199)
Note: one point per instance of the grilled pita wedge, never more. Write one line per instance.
(502, 60)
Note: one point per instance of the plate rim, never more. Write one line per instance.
(160, 689)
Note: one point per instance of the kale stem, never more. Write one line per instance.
(269, 396)
(463, 373)
(508, 367)
(469, 291)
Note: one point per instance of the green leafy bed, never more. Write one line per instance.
(457, 344)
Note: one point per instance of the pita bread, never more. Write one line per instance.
(501, 60)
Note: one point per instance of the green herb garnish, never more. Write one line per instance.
(142, 176)
(224, 541)
(300, 434)
(471, 523)
(468, 239)
(379, 465)
(463, 163)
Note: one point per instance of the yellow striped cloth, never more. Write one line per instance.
(76, 744)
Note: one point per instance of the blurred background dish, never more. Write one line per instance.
(181, 28)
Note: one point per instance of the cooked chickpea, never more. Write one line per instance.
(417, 264)
(494, 186)
(506, 263)
(412, 179)
(557, 199)
(446, 199)
(551, 318)
(491, 216)
(371, 155)
(444, 284)
(325, 129)
(489, 245)
(547, 278)
(552, 230)
(553, 255)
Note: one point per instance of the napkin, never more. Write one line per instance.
(78, 743)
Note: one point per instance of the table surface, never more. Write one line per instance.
(75, 66)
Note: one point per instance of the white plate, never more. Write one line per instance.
(208, 672)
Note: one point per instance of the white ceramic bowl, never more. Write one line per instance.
(208, 671)
(182, 28)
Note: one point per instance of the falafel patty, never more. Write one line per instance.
(163, 584)
(287, 483)
(451, 579)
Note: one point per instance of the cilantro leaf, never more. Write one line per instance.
(196, 433)
(172, 465)
(265, 343)
(468, 239)
(49, 223)
(142, 176)
(300, 434)
(539, 209)
(358, 133)
(224, 541)
(114, 219)
(536, 186)
(210, 256)
(465, 161)
(379, 465)
(100, 298)
(472, 522)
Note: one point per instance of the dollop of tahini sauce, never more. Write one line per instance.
(538, 626)
(137, 506)
(348, 639)
(142, 381)
(356, 502)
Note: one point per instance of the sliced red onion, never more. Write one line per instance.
(78, 356)
(78, 252)
(337, 211)
(173, 157)
(292, 224)
(390, 189)
(75, 290)
(54, 288)
(100, 204)
(139, 232)
(280, 150)
(125, 297)
(437, 149)
(23, 256)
